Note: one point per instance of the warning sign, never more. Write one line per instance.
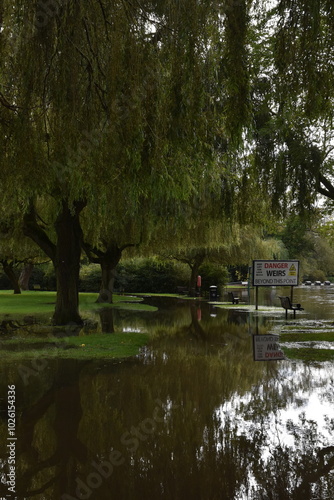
(275, 272)
(292, 270)
(266, 348)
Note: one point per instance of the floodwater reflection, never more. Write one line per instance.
(193, 416)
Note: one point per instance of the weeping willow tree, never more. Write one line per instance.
(111, 109)
(237, 247)
(205, 229)
(292, 95)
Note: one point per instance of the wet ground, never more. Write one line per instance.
(193, 416)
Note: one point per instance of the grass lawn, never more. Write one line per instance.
(23, 343)
(26, 303)
(35, 303)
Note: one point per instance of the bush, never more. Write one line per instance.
(90, 278)
(238, 273)
(4, 282)
(44, 276)
(316, 275)
(150, 276)
(213, 274)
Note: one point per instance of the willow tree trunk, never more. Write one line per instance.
(25, 276)
(107, 282)
(193, 280)
(194, 266)
(108, 260)
(67, 266)
(65, 255)
(11, 275)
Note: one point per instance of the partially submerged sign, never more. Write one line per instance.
(275, 272)
(266, 348)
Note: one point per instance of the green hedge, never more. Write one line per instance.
(90, 278)
(150, 275)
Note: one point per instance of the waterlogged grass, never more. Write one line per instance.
(307, 337)
(103, 346)
(308, 341)
(308, 354)
(243, 306)
(43, 303)
(21, 340)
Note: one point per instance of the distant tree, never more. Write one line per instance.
(25, 275)
(17, 253)
(240, 246)
(308, 241)
(295, 237)
(292, 90)
(11, 273)
(107, 255)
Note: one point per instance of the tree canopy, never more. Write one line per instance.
(293, 102)
(110, 109)
(114, 115)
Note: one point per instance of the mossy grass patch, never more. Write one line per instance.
(325, 336)
(100, 346)
(309, 354)
(308, 340)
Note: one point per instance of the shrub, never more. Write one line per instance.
(90, 278)
(44, 276)
(150, 276)
(4, 282)
(213, 274)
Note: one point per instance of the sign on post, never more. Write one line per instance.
(266, 348)
(275, 272)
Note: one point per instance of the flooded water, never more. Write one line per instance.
(192, 417)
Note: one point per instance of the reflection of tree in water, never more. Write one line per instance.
(198, 448)
(238, 317)
(197, 452)
(107, 319)
(302, 471)
(196, 329)
(297, 458)
(48, 447)
(180, 457)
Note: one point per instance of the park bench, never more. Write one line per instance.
(182, 290)
(288, 306)
(233, 298)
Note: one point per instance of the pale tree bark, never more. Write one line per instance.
(25, 276)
